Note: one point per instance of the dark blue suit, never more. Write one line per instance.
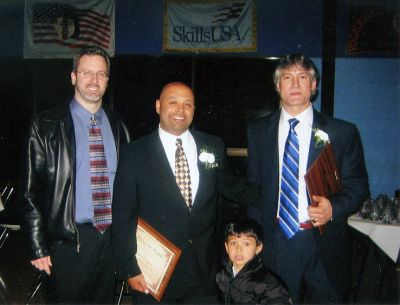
(333, 247)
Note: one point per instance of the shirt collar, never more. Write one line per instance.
(84, 114)
(234, 271)
(305, 117)
(168, 137)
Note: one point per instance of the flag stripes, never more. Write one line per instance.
(57, 28)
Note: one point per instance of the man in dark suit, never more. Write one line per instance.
(281, 148)
(147, 186)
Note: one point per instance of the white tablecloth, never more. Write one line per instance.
(385, 236)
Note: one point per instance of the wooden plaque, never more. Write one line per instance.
(157, 258)
(322, 178)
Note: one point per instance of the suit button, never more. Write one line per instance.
(190, 241)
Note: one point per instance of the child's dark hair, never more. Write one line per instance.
(246, 227)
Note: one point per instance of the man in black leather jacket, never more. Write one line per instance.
(57, 212)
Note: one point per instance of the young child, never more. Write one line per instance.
(245, 280)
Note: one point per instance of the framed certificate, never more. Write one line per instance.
(156, 257)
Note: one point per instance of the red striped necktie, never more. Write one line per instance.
(101, 195)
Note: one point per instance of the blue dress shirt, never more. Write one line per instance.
(83, 192)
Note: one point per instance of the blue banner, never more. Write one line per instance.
(210, 26)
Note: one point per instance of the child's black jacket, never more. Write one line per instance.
(254, 284)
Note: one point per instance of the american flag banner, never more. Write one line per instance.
(56, 29)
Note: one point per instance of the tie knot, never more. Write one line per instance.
(179, 142)
(93, 120)
(293, 122)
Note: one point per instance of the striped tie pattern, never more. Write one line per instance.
(288, 211)
(101, 195)
(182, 173)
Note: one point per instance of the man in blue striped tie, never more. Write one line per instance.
(281, 148)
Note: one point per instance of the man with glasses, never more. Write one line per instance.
(67, 184)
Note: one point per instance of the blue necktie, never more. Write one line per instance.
(288, 211)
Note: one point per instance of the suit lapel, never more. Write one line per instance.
(320, 123)
(204, 174)
(159, 164)
(272, 144)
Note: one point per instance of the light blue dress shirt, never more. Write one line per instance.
(83, 193)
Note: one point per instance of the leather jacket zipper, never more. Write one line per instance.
(78, 245)
(228, 295)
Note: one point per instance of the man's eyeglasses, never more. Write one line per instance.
(90, 74)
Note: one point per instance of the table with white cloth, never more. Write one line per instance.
(385, 236)
(375, 253)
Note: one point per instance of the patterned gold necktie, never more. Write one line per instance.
(182, 173)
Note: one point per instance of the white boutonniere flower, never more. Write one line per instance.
(321, 138)
(208, 159)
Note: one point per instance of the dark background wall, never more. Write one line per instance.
(230, 88)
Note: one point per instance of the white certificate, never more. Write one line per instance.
(156, 257)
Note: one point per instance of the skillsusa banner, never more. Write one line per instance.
(56, 29)
(209, 26)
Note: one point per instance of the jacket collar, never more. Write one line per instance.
(204, 173)
(318, 122)
(160, 164)
(251, 266)
(63, 115)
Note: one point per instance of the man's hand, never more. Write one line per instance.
(138, 283)
(43, 263)
(322, 213)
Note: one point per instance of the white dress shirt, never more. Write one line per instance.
(234, 272)
(190, 149)
(304, 131)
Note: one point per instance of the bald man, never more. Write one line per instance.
(148, 185)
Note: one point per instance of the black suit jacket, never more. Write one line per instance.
(263, 168)
(145, 186)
